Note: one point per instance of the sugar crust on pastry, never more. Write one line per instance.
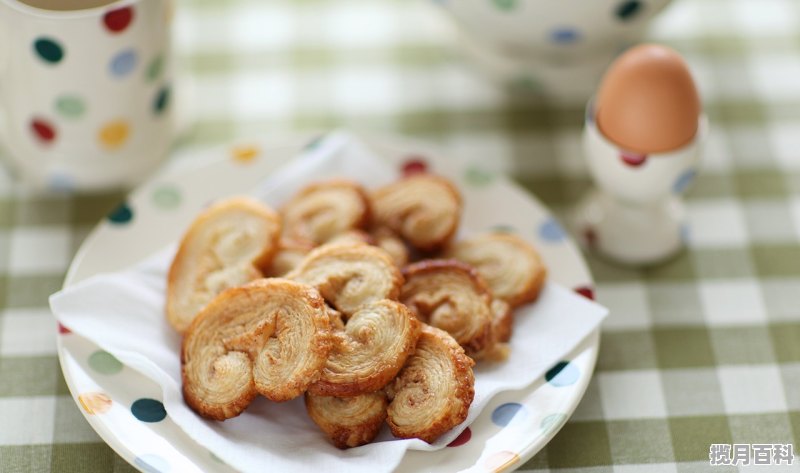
(370, 350)
(350, 275)
(450, 295)
(423, 209)
(270, 337)
(222, 248)
(510, 266)
(350, 421)
(325, 209)
(433, 392)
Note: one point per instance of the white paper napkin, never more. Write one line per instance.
(122, 313)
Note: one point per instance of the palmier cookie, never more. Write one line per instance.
(510, 266)
(423, 209)
(450, 295)
(375, 343)
(434, 390)
(350, 275)
(348, 421)
(223, 248)
(289, 255)
(270, 337)
(325, 209)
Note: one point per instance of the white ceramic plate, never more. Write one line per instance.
(123, 406)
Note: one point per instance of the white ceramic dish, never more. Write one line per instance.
(512, 428)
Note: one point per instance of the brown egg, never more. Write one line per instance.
(648, 102)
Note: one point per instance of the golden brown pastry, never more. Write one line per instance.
(433, 392)
(391, 243)
(270, 337)
(223, 248)
(511, 266)
(350, 275)
(353, 236)
(289, 255)
(349, 421)
(423, 209)
(502, 320)
(369, 352)
(450, 295)
(323, 210)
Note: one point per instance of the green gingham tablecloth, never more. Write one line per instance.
(702, 350)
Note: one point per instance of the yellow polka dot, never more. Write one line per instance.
(500, 461)
(95, 403)
(114, 134)
(244, 153)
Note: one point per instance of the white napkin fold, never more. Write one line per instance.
(122, 313)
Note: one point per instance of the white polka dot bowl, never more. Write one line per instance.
(85, 95)
(556, 49)
(125, 408)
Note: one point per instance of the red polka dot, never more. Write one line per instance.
(633, 159)
(462, 438)
(63, 330)
(586, 291)
(119, 19)
(414, 165)
(43, 130)
(590, 236)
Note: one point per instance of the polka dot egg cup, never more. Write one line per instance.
(126, 409)
(86, 104)
(557, 49)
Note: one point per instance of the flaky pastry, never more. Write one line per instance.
(434, 390)
(350, 275)
(390, 242)
(323, 210)
(423, 209)
(349, 421)
(222, 248)
(270, 337)
(450, 295)
(511, 266)
(290, 253)
(369, 352)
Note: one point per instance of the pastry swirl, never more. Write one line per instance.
(289, 255)
(510, 266)
(450, 295)
(391, 243)
(369, 352)
(349, 421)
(423, 209)
(269, 337)
(223, 248)
(323, 210)
(350, 275)
(433, 392)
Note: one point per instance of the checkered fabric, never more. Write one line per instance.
(704, 349)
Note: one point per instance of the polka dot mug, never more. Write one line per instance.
(558, 49)
(85, 97)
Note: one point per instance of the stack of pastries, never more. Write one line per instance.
(360, 301)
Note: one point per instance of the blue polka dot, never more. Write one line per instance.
(550, 230)
(552, 421)
(61, 183)
(565, 35)
(122, 214)
(683, 181)
(562, 374)
(504, 413)
(150, 463)
(148, 410)
(123, 63)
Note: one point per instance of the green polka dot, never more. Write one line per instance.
(104, 362)
(49, 50)
(153, 71)
(526, 83)
(70, 106)
(553, 421)
(148, 410)
(167, 197)
(478, 177)
(505, 5)
(503, 229)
